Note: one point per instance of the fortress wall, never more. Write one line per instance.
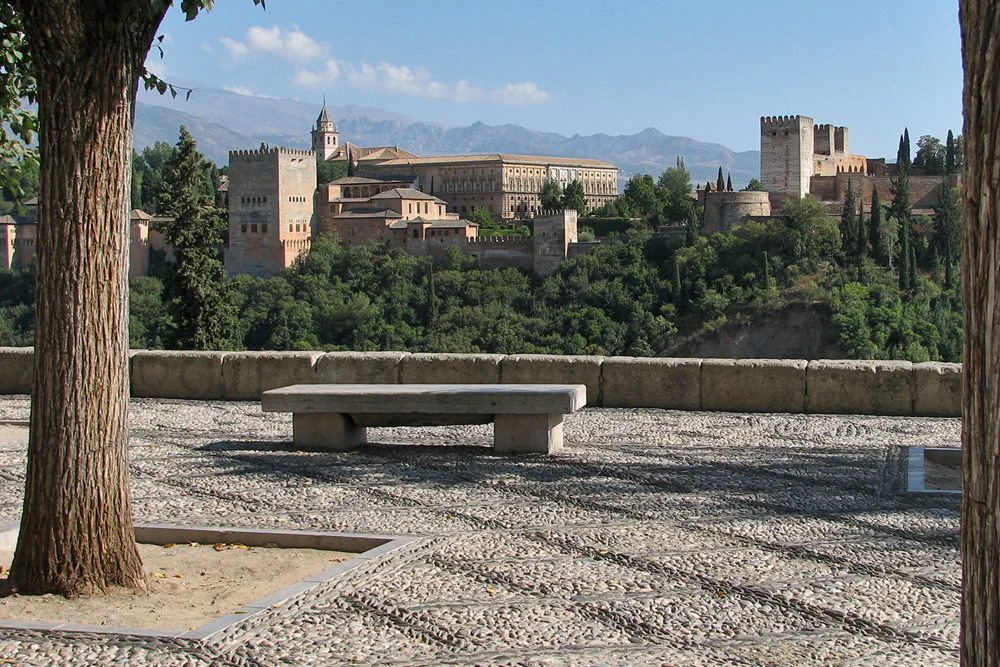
(501, 252)
(924, 190)
(724, 210)
(726, 385)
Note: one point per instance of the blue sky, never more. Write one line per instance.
(706, 70)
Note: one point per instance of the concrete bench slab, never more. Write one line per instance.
(526, 417)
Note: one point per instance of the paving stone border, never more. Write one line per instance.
(367, 547)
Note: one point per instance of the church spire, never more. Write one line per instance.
(325, 137)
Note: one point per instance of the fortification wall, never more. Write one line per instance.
(924, 190)
(501, 252)
(724, 210)
(733, 385)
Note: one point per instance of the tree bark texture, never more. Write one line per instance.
(76, 531)
(980, 637)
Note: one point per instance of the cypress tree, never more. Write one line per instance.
(767, 272)
(729, 182)
(906, 148)
(676, 284)
(849, 223)
(949, 155)
(720, 184)
(911, 270)
(200, 315)
(861, 238)
(875, 227)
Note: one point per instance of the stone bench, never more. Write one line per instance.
(526, 417)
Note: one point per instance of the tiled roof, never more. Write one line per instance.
(406, 193)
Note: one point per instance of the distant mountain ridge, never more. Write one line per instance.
(221, 121)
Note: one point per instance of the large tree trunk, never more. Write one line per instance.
(76, 526)
(980, 639)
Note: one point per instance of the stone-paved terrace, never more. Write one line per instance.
(658, 537)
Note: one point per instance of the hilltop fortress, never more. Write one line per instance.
(413, 203)
(799, 158)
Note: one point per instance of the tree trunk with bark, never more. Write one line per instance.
(76, 531)
(980, 638)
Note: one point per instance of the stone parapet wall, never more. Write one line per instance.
(726, 385)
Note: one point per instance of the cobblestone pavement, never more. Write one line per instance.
(658, 537)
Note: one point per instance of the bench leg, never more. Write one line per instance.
(326, 430)
(528, 433)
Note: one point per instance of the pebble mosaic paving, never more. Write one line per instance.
(656, 537)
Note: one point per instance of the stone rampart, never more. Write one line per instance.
(726, 385)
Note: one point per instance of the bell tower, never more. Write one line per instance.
(325, 137)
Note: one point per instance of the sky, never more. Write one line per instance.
(706, 70)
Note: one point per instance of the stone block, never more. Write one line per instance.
(16, 370)
(937, 389)
(554, 369)
(326, 431)
(753, 385)
(192, 375)
(359, 367)
(859, 387)
(540, 434)
(651, 382)
(451, 369)
(245, 375)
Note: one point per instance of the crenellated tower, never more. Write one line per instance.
(271, 217)
(325, 137)
(786, 154)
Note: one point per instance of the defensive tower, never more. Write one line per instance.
(270, 209)
(786, 154)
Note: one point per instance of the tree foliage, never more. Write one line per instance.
(551, 195)
(573, 197)
(199, 314)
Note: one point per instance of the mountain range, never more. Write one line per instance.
(221, 121)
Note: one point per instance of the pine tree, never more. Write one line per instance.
(729, 182)
(720, 183)
(200, 316)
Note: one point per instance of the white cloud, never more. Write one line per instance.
(520, 94)
(235, 49)
(289, 43)
(316, 70)
(155, 65)
(243, 90)
(328, 74)
(403, 80)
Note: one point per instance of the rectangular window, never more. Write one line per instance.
(253, 228)
(243, 228)
(263, 228)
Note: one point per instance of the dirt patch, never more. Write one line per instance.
(189, 585)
